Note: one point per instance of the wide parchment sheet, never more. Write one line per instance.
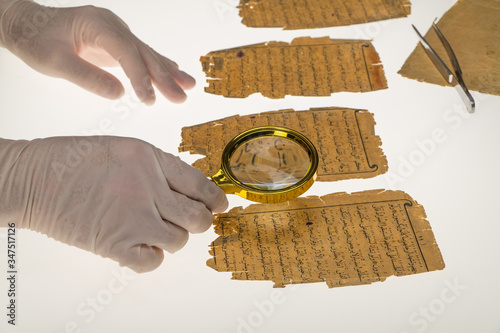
(344, 138)
(308, 14)
(305, 67)
(473, 29)
(341, 239)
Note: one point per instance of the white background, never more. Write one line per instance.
(456, 180)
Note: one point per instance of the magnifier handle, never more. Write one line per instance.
(225, 184)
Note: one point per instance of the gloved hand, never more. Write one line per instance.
(71, 43)
(118, 197)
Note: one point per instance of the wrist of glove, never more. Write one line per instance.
(120, 198)
(73, 43)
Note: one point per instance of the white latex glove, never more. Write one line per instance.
(71, 43)
(118, 197)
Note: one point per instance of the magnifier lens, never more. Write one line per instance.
(269, 163)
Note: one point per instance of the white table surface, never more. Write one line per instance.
(64, 289)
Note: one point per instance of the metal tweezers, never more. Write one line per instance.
(455, 79)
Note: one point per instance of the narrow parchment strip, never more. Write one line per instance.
(473, 29)
(341, 239)
(344, 139)
(305, 67)
(307, 14)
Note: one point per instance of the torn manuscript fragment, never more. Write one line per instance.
(305, 67)
(344, 139)
(308, 14)
(341, 239)
(472, 27)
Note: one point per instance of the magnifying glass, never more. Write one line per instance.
(268, 164)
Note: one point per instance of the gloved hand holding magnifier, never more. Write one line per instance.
(268, 164)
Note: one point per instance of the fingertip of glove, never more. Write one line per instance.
(214, 197)
(113, 90)
(223, 204)
(143, 258)
(188, 82)
(178, 98)
(150, 100)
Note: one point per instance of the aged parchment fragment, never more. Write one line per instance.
(344, 139)
(341, 239)
(472, 27)
(305, 67)
(308, 14)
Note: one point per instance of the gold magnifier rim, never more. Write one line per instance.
(264, 195)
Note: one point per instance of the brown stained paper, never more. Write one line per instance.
(341, 239)
(305, 67)
(344, 138)
(307, 14)
(473, 29)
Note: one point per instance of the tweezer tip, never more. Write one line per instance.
(416, 30)
(434, 25)
(472, 106)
